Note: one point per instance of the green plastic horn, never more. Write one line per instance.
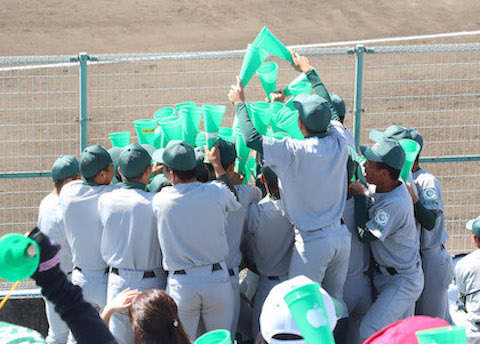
(308, 311)
(268, 73)
(287, 120)
(214, 337)
(120, 139)
(411, 148)
(200, 141)
(179, 106)
(213, 116)
(17, 260)
(171, 130)
(145, 129)
(261, 114)
(443, 335)
(267, 41)
(243, 153)
(226, 134)
(163, 113)
(301, 87)
(254, 57)
(276, 108)
(300, 78)
(191, 118)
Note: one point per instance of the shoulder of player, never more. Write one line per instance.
(468, 264)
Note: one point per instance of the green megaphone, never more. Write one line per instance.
(243, 153)
(411, 148)
(301, 78)
(215, 337)
(145, 129)
(183, 105)
(443, 335)
(287, 120)
(254, 57)
(268, 73)
(261, 114)
(19, 257)
(171, 130)
(267, 41)
(191, 118)
(120, 139)
(212, 119)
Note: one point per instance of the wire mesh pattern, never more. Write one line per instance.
(431, 87)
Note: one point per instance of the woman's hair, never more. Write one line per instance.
(154, 318)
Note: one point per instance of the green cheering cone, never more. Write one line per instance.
(171, 130)
(443, 335)
(267, 41)
(287, 120)
(411, 148)
(183, 105)
(145, 129)
(215, 337)
(254, 57)
(301, 87)
(213, 116)
(268, 73)
(191, 118)
(160, 115)
(120, 139)
(301, 78)
(242, 152)
(17, 259)
(261, 114)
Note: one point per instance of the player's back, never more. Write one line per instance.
(79, 206)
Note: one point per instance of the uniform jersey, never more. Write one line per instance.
(312, 176)
(392, 222)
(191, 220)
(430, 196)
(129, 239)
(236, 221)
(270, 236)
(467, 277)
(50, 222)
(79, 205)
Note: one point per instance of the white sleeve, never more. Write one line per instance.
(278, 154)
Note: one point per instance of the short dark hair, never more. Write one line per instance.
(394, 173)
(184, 175)
(91, 179)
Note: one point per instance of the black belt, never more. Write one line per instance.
(146, 274)
(231, 272)
(391, 270)
(215, 267)
(77, 268)
(274, 278)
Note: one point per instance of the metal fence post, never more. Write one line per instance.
(83, 116)
(357, 101)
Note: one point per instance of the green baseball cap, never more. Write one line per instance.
(93, 159)
(397, 132)
(149, 148)
(64, 167)
(474, 226)
(313, 111)
(269, 175)
(201, 172)
(387, 151)
(115, 154)
(133, 160)
(157, 183)
(228, 154)
(338, 103)
(179, 155)
(158, 156)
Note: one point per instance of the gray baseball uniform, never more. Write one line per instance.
(398, 276)
(79, 205)
(312, 180)
(234, 230)
(436, 260)
(130, 247)
(191, 220)
(467, 277)
(50, 222)
(270, 238)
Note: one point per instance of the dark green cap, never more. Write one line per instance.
(313, 111)
(397, 132)
(92, 160)
(157, 183)
(269, 175)
(201, 172)
(338, 103)
(133, 160)
(158, 155)
(388, 151)
(179, 156)
(149, 148)
(228, 154)
(115, 154)
(64, 167)
(474, 226)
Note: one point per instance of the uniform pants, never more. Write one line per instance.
(396, 299)
(234, 280)
(201, 292)
(94, 286)
(323, 256)
(120, 325)
(438, 270)
(358, 298)
(263, 289)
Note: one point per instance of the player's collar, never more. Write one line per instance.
(90, 183)
(133, 185)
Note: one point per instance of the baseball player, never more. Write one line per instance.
(236, 221)
(312, 181)
(129, 241)
(191, 219)
(467, 277)
(428, 206)
(79, 205)
(270, 238)
(64, 170)
(389, 227)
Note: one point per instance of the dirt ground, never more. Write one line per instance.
(36, 27)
